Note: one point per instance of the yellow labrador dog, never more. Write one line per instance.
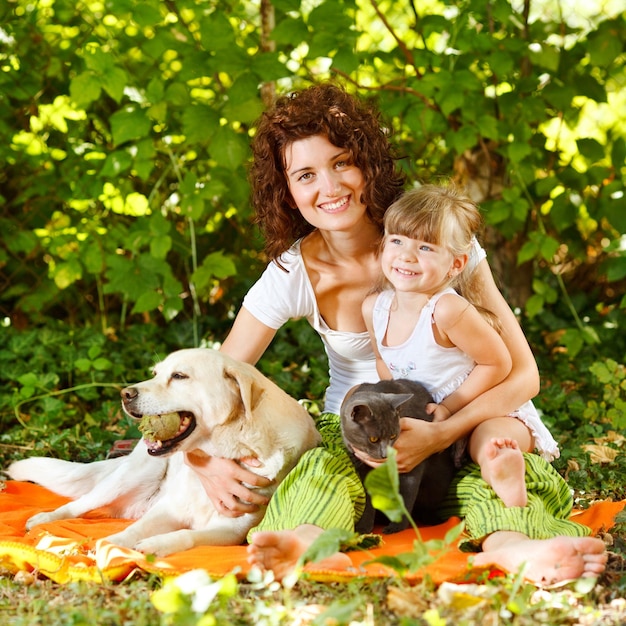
(221, 407)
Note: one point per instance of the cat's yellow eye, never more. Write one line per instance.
(392, 437)
(374, 439)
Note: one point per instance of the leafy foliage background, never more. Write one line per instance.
(124, 212)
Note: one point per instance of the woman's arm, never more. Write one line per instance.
(419, 439)
(223, 479)
(248, 338)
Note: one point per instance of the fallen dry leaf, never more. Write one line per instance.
(600, 454)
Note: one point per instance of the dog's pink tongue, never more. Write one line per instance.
(153, 445)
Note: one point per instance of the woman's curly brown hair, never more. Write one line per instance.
(347, 122)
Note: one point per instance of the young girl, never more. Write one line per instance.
(422, 329)
(322, 178)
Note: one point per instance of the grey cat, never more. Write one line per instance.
(370, 421)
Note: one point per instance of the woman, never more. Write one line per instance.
(323, 175)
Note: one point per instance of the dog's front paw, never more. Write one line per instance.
(41, 518)
(121, 539)
(162, 545)
(158, 546)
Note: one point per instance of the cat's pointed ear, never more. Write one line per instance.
(361, 413)
(397, 399)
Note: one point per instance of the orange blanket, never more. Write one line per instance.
(71, 550)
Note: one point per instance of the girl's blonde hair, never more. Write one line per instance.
(444, 216)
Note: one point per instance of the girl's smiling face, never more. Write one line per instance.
(417, 266)
(325, 185)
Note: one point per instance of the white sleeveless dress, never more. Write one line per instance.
(442, 370)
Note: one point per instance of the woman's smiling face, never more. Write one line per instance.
(325, 185)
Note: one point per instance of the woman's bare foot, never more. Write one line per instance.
(547, 561)
(503, 467)
(280, 551)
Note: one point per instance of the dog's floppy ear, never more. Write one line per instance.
(249, 389)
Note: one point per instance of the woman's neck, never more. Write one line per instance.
(338, 246)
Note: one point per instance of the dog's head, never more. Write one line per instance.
(192, 392)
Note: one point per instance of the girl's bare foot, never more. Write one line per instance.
(280, 551)
(503, 467)
(547, 561)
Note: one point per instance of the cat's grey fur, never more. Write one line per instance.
(370, 421)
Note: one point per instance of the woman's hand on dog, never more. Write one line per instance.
(223, 480)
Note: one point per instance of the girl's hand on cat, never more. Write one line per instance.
(439, 412)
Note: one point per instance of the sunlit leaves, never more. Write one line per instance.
(112, 107)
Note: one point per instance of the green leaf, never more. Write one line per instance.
(616, 268)
(453, 535)
(328, 19)
(328, 543)
(290, 31)
(114, 83)
(605, 45)
(547, 57)
(462, 139)
(101, 364)
(548, 248)
(200, 122)
(488, 126)
(383, 486)
(560, 97)
(518, 151)
(216, 33)
(244, 103)
(82, 365)
(591, 149)
(534, 305)
(85, 88)
(214, 265)
(573, 340)
(93, 258)
(147, 301)
(563, 212)
(146, 15)
(527, 252)
(450, 98)
(590, 87)
(67, 273)
(160, 246)
(129, 124)
(116, 163)
(228, 148)
(171, 308)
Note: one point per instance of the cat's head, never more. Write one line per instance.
(370, 421)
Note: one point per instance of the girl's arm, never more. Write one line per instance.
(223, 479)
(419, 439)
(459, 324)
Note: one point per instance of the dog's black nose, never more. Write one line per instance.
(129, 393)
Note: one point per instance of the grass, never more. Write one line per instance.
(28, 601)
(582, 403)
